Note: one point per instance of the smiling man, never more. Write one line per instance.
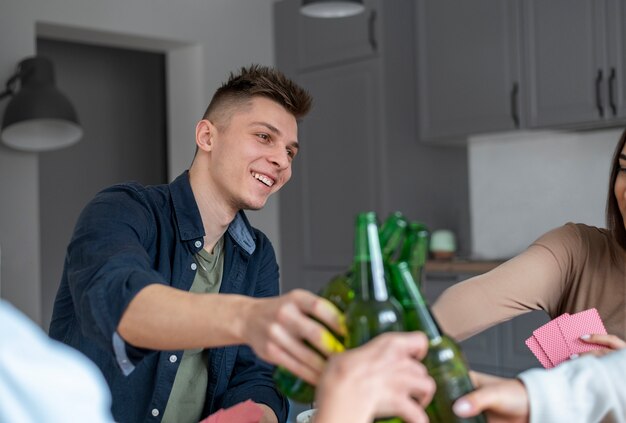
(166, 287)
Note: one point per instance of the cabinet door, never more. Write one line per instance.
(616, 60)
(322, 42)
(563, 61)
(335, 175)
(467, 67)
(516, 356)
(481, 350)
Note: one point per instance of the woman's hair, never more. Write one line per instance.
(257, 81)
(614, 218)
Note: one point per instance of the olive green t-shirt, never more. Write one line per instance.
(188, 393)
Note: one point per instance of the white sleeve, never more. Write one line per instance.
(587, 389)
(42, 380)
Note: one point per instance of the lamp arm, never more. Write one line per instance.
(10, 85)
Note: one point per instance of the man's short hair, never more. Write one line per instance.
(257, 81)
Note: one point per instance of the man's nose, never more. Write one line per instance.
(280, 159)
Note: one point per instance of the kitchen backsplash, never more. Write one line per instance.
(522, 184)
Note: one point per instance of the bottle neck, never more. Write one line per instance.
(369, 277)
(425, 319)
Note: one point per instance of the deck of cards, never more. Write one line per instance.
(558, 339)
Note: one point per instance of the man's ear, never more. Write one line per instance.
(205, 133)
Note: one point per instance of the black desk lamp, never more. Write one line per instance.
(38, 117)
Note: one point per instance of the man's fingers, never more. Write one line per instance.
(320, 308)
(411, 412)
(296, 349)
(296, 367)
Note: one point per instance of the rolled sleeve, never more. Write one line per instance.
(108, 263)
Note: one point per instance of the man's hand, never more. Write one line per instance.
(268, 414)
(379, 379)
(277, 328)
(503, 400)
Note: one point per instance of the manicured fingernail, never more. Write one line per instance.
(462, 407)
(585, 336)
(573, 356)
(331, 343)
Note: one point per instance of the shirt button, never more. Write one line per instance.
(173, 358)
(198, 244)
(155, 412)
(193, 266)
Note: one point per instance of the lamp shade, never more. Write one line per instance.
(331, 8)
(39, 117)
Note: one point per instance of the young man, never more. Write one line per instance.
(159, 282)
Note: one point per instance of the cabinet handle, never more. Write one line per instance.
(514, 112)
(372, 30)
(612, 92)
(598, 93)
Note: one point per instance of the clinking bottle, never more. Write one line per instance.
(415, 250)
(339, 291)
(373, 311)
(445, 361)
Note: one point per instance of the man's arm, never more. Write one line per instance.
(164, 318)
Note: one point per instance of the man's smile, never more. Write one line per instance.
(264, 178)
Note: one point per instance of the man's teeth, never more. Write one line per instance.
(267, 181)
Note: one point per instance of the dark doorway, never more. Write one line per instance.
(119, 96)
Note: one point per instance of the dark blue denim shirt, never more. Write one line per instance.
(130, 236)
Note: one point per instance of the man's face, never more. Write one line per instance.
(251, 154)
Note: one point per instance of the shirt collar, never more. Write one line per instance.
(189, 220)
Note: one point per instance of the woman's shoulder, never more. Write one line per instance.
(577, 237)
(589, 232)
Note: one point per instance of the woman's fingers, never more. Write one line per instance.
(608, 341)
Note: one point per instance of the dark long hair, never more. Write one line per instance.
(614, 218)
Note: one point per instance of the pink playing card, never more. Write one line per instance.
(551, 340)
(534, 346)
(578, 324)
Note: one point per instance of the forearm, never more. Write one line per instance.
(164, 318)
(527, 282)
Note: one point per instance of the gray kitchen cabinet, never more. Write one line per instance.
(573, 59)
(359, 148)
(467, 67)
(499, 350)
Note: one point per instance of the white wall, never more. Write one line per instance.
(523, 184)
(203, 41)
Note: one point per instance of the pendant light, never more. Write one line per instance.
(331, 8)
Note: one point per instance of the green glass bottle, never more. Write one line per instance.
(445, 361)
(372, 311)
(415, 250)
(340, 292)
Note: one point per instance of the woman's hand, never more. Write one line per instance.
(609, 342)
(279, 328)
(379, 379)
(503, 400)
